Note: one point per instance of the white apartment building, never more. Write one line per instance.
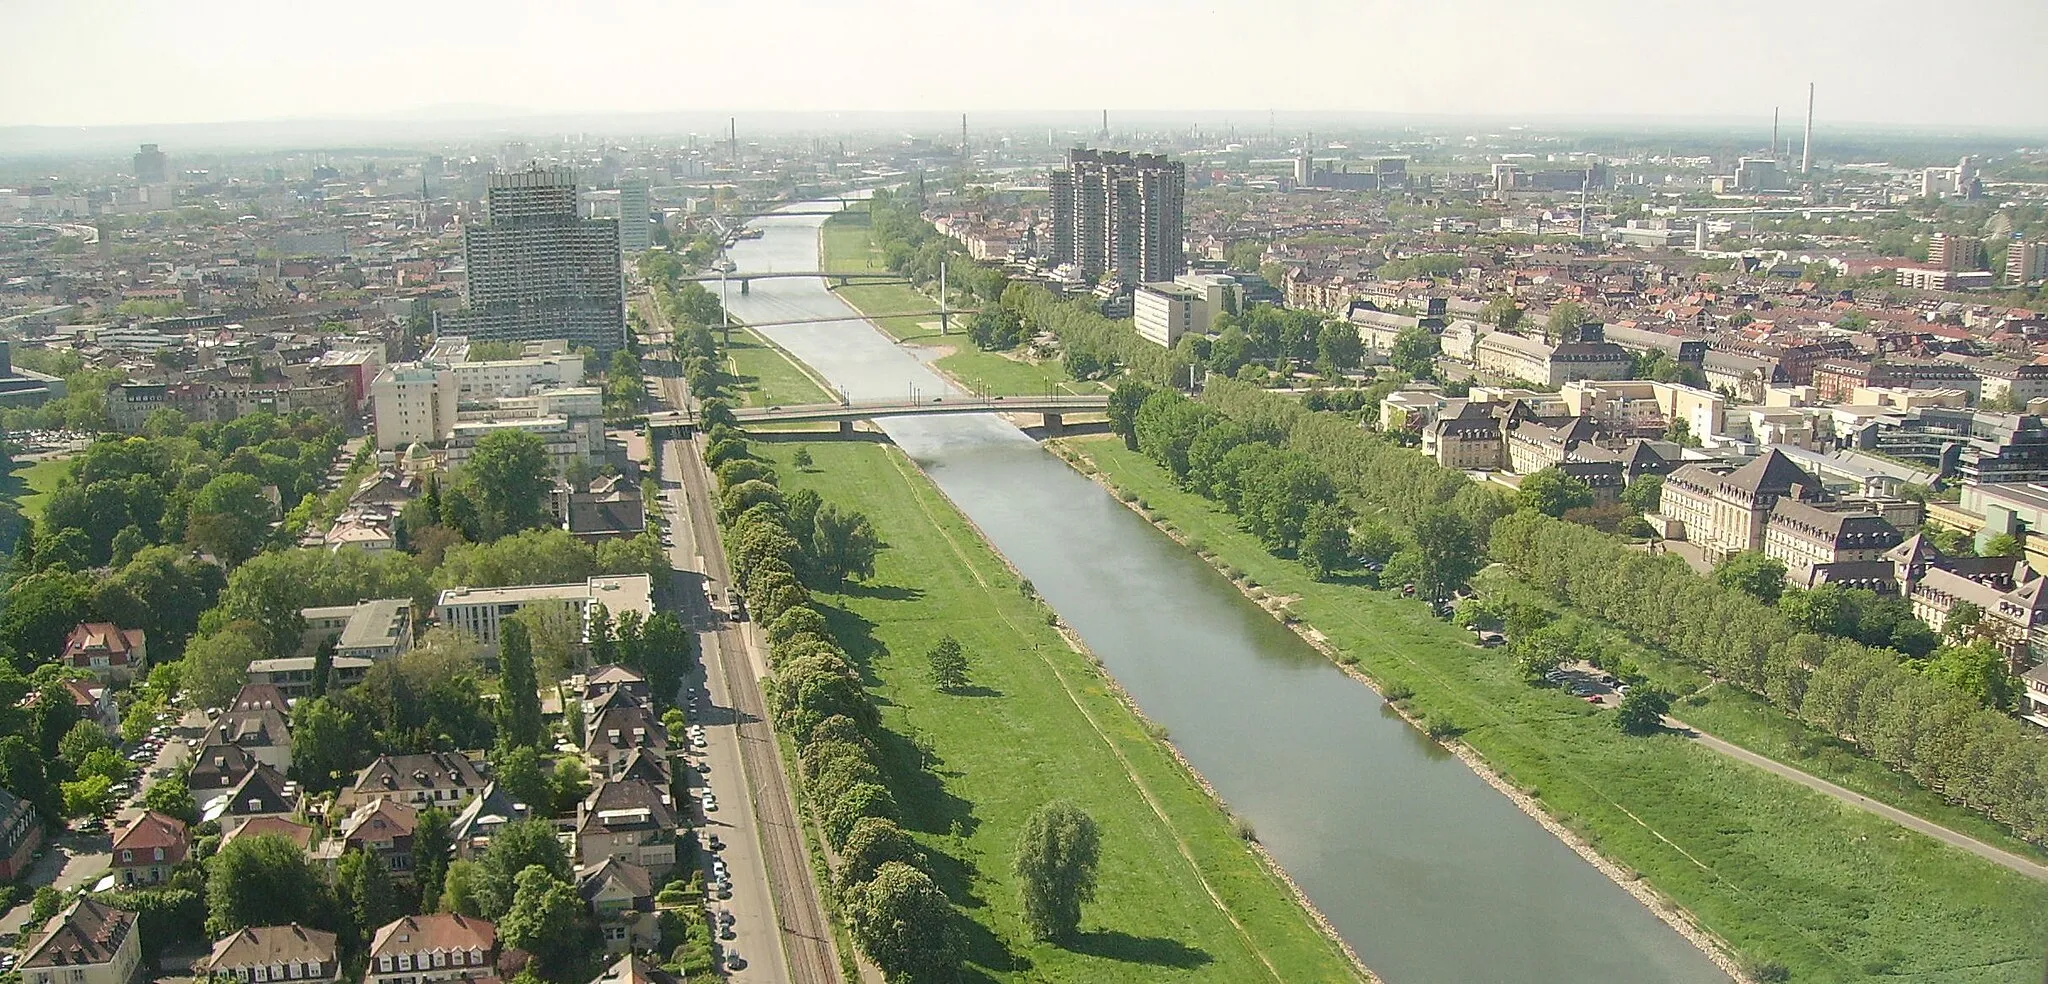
(1639, 402)
(413, 404)
(480, 611)
(1162, 312)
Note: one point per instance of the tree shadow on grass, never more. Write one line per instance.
(881, 592)
(1153, 950)
(975, 690)
(855, 636)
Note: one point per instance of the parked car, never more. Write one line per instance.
(716, 844)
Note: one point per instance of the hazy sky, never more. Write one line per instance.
(1966, 62)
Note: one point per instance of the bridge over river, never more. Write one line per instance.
(1051, 409)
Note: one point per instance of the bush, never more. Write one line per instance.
(1442, 726)
(1243, 829)
(1396, 691)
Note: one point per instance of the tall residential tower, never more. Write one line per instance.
(1122, 214)
(538, 269)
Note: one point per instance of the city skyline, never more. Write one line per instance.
(1584, 58)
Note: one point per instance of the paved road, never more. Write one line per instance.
(801, 947)
(1943, 834)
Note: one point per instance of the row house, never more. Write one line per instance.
(444, 779)
(438, 947)
(621, 898)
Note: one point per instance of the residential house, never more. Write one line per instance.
(21, 832)
(263, 792)
(257, 722)
(95, 703)
(621, 898)
(293, 676)
(438, 947)
(150, 848)
(635, 969)
(299, 834)
(1724, 509)
(444, 779)
(383, 826)
(631, 821)
(481, 818)
(272, 954)
(620, 726)
(88, 943)
(611, 507)
(599, 680)
(217, 767)
(107, 651)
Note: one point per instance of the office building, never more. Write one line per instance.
(539, 269)
(634, 227)
(480, 611)
(1164, 312)
(1120, 214)
(150, 166)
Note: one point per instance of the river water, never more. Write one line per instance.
(1430, 874)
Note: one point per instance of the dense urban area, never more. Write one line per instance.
(551, 556)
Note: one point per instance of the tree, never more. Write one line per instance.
(264, 881)
(432, 846)
(801, 460)
(1055, 866)
(1564, 321)
(1502, 312)
(1124, 401)
(92, 796)
(904, 924)
(1644, 494)
(1338, 347)
(1975, 671)
(509, 474)
(172, 798)
(519, 773)
(1642, 711)
(22, 773)
(80, 742)
(514, 848)
(217, 664)
(519, 716)
(363, 888)
(875, 841)
(843, 545)
(1325, 541)
(948, 664)
(1754, 574)
(546, 919)
(41, 611)
(1551, 492)
(1447, 552)
(1414, 352)
(2002, 545)
(328, 742)
(230, 518)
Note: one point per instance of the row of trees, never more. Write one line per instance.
(1918, 724)
(913, 247)
(896, 913)
(1091, 345)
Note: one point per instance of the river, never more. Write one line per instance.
(1429, 873)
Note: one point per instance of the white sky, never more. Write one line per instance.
(93, 62)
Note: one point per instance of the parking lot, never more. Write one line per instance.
(1589, 683)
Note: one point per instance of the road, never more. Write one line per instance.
(770, 852)
(1943, 834)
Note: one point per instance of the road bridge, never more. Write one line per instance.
(1051, 410)
(839, 278)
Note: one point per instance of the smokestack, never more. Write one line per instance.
(732, 136)
(1806, 146)
(1774, 132)
(963, 135)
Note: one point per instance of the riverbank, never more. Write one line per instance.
(1790, 880)
(1180, 894)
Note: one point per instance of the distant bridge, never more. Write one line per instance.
(944, 317)
(1051, 409)
(839, 278)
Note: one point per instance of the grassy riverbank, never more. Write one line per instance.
(1039, 722)
(844, 245)
(765, 377)
(1786, 876)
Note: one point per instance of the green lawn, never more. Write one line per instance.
(767, 377)
(844, 245)
(1786, 875)
(1038, 723)
(35, 481)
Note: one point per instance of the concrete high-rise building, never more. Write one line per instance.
(1956, 254)
(635, 234)
(1122, 214)
(2025, 261)
(538, 269)
(150, 165)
